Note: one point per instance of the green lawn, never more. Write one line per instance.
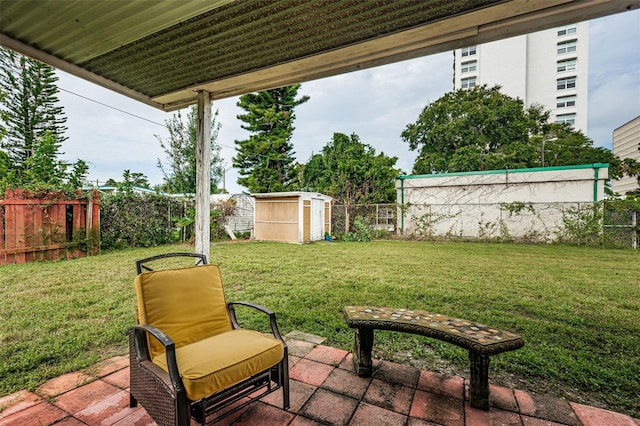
(578, 309)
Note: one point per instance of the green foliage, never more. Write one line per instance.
(78, 174)
(30, 106)
(244, 235)
(185, 223)
(351, 172)
(630, 203)
(218, 215)
(180, 149)
(43, 171)
(363, 232)
(41, 168)
(617, 222)
(129, 180)
(265, 160)
(5, 163)
(606, 224)
(4, 116)
(562, 146)
(424, 224)
(483, 129)
(33, 128)
(582, 225)
(631, 167)
(133, 220)
(517, 207)
(457, 131)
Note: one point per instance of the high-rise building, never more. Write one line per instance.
(626, 144)
(548, 67)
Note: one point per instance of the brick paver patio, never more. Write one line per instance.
(324, 391)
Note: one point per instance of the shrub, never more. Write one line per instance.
(134, 220)
(363, 231)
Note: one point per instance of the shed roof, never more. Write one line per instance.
(290, 194)
(162, 52)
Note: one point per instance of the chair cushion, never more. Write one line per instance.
(188, 304)
(223, 360)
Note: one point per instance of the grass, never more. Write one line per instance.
(578, 309)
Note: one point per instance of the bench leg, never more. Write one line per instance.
(479, 389)
(362, 352)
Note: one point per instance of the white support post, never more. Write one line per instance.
(203, 175)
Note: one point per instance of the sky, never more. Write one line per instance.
(113, 133)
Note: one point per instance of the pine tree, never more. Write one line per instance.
(265, 160)
(33, 127)
(30, 107)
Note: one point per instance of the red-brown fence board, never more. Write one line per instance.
(1, 226)
(18, 227)
(36, 229)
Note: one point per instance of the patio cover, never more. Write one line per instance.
(171, 54)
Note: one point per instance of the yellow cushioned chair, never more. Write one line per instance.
(189, 356)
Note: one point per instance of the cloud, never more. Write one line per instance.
(614, 74)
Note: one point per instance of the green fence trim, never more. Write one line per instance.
(504, 171)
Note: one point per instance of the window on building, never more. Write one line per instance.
(565, 101)
(567, 65)
(468, 83)
(566, 118)
(468, 66)
(567, 46)
(568, 30)
(566, 83)
(469, 51)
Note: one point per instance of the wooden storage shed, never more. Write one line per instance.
(296, 217)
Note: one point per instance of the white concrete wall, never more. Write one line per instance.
(488, 204)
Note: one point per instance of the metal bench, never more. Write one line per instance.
(482, 341)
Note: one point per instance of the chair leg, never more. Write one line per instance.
(197, 411)
(132, 401)
(285, 380)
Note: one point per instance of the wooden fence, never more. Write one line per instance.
(48, 228)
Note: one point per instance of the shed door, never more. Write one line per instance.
(317, 219)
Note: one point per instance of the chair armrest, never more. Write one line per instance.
(272, 317)
(140, 331)
(157, 333)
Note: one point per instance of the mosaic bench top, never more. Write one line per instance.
(467, 334)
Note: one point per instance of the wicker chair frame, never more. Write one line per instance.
(163, 394)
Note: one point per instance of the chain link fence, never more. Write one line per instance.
(144, 220)
(132, 220)
(154, 220)
(382, 217)
(605, 224)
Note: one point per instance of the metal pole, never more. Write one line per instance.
(634, 223)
